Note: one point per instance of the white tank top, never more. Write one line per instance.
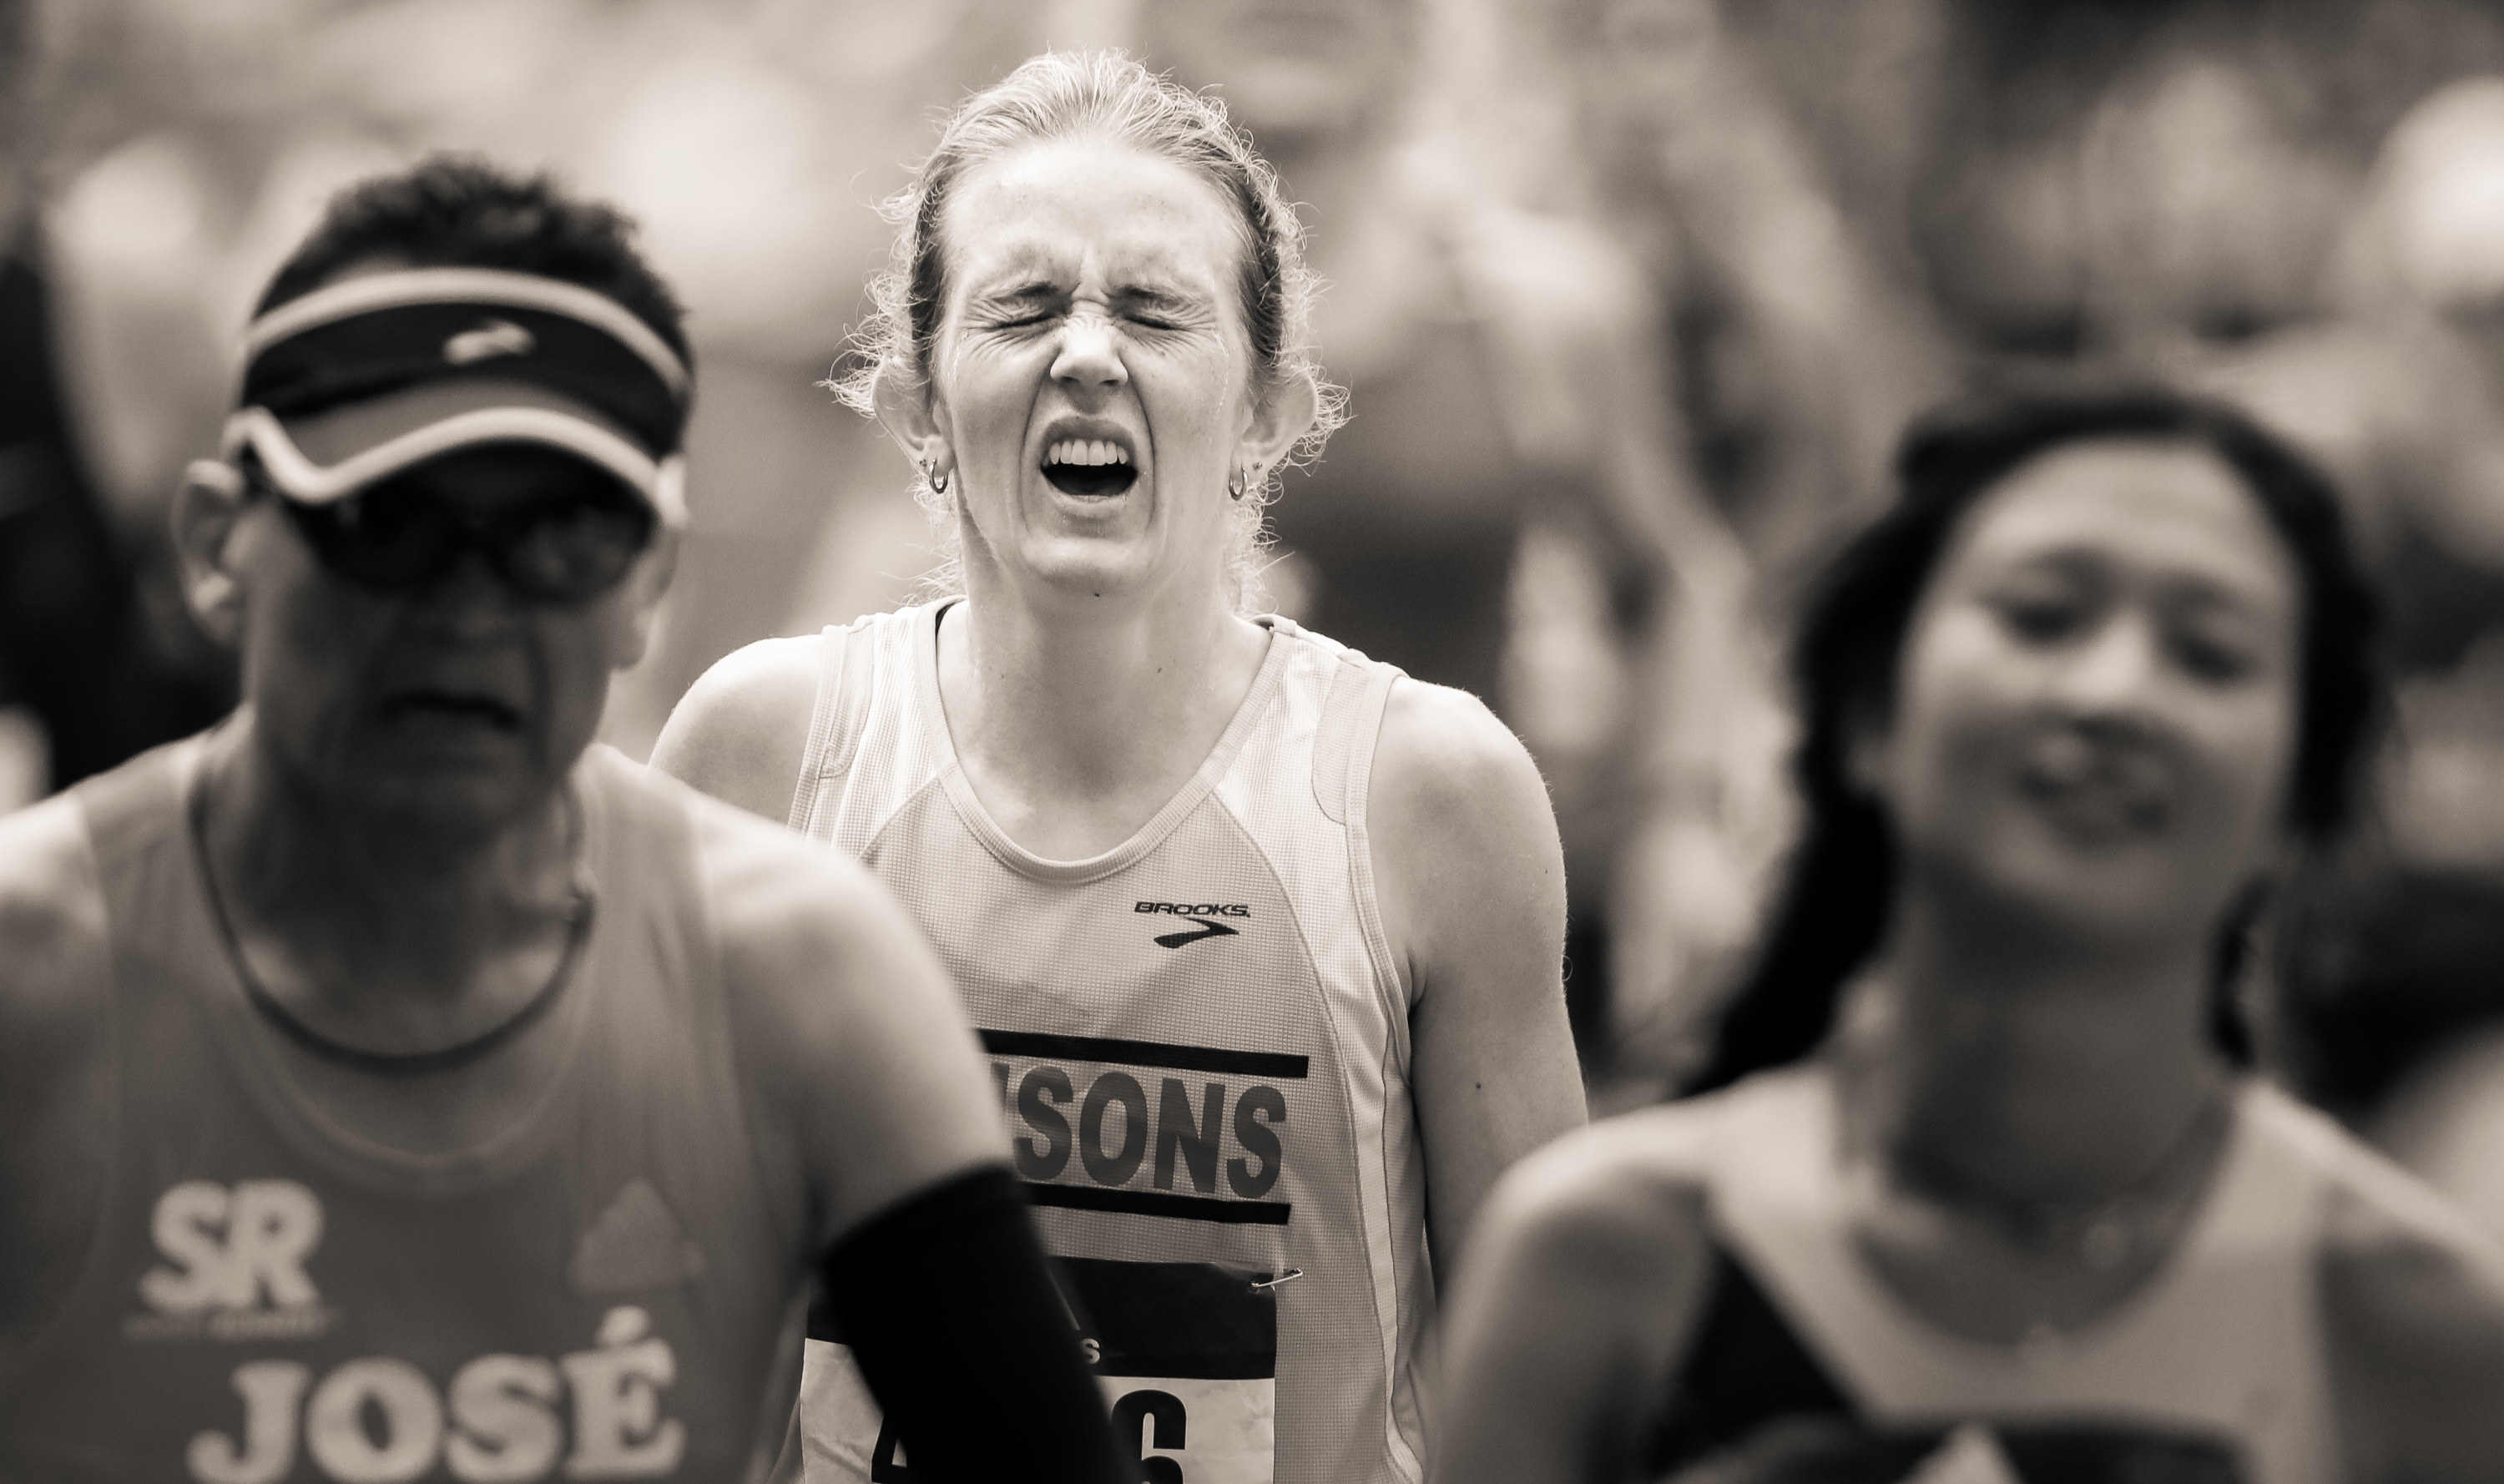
(1203, 1051)
(2224, 1341)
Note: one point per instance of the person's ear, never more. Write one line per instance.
(1278, 419)
(912, 417)
(206, 507)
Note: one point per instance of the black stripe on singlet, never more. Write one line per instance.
(1190, 1208)
(1145, 1054)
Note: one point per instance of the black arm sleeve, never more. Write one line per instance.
(951, 1315)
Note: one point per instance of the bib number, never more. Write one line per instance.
(1186, 1354)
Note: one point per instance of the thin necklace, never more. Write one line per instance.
(441, 1058)
(2104, 1240)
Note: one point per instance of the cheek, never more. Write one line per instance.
(2246, 748)
(305, 648)
(1955, 697)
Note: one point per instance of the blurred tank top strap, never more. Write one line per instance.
(2222, 1342)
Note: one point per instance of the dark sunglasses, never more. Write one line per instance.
(569, 545)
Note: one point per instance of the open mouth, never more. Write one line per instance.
(453, 705)
(1088, 467)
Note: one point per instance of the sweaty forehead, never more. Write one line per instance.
(1063, 209)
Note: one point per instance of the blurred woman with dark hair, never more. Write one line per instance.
(1984, 1189)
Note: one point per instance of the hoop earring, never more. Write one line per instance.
(934, 476)
(1240, 484)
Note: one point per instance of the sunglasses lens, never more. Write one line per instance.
(388, 544)
(569, 550)
(566, 548)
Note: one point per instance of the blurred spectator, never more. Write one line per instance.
(1803, 347)
(96, 661)
(2394, 965)
(1797, 357)
(2131, 180)
(1510, 509)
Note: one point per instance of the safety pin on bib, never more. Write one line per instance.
(1289, 1276)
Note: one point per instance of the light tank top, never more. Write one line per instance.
(2216, 1369)
(1203, 1051)
(600, 1292)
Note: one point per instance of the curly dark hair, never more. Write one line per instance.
(1841, 883)
(463, 211)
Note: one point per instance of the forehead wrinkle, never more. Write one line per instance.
(1139, 213)
(1027, 265)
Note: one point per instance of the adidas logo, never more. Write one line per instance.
(635, 1244)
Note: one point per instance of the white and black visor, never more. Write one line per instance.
(351, 384)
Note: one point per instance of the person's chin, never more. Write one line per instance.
(2107, 889)
(1091, 565)
(462, 784)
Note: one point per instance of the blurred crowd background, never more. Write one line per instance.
(1632, 298)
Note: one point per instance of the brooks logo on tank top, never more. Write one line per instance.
(2214, 1370)
(1201, 1050)
(596, 1293)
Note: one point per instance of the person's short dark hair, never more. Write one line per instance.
(1841, 881)
(454, 211)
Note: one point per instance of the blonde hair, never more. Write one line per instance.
(1103, 95)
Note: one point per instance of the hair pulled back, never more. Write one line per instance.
(1841, 883)
(1102, 96)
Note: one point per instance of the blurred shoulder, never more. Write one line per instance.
(2413, 1307)
(54, 952)
(741, 733)
(768, 886)
(1626, 1195)
(2403, 1260)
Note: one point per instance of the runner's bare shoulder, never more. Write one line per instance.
(1618, 1204)
(741, 731)
(862, 1078)
(55, 1063)
(52, 954)
(2412, 1299)
(789, 912)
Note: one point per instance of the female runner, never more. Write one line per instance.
(1261, 936)
(1985, 1190)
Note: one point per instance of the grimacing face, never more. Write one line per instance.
(1090, 387)
(457, 706)
(2095, 715)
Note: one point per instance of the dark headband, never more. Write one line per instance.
(369, 336)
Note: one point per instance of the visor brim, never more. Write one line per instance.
(333, 454)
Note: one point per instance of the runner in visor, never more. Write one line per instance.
(392, 1084)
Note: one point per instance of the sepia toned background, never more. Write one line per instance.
(1632, 298)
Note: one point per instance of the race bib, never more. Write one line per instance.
(1186, 1354)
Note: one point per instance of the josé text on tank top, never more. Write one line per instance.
(2213, 1373)
(1201, 1050)
(598, 1292)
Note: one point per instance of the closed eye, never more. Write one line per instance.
(2210, 659)
(2040, 618)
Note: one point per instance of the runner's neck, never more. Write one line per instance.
(1077, 735)
(351, 901)
(2032, 1072)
